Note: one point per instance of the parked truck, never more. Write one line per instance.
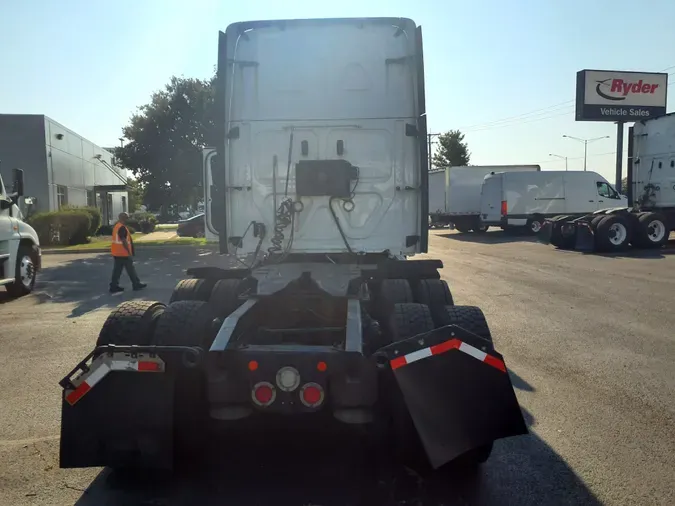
(20, 254)
(320, 190)
(462, 195)
(438, 208)
(523, 200)
(649, 217)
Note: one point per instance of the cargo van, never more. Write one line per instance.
(525, 199)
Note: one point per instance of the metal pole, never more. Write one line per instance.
(431, 164)
(619, 154)
(629, 167)
(585, 153)
(565, 164)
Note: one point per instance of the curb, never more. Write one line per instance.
(62, 251)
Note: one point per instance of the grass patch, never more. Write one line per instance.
(104, 243)
(166, 227)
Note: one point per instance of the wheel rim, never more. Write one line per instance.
(26, 271)
(617, 234)
(535, 226)
(656, 231)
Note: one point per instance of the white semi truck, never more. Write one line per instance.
(20, 254)
(462, 189)
(650, 215)
(319, 187)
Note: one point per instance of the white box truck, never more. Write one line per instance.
(649, 217)
(526, 199)
(19, 245)
(462, 195)
(437, 203)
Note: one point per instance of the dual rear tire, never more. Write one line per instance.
(615, 232)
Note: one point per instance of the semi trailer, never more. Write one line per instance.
(20, 254)
(319, 189)
(649, 217)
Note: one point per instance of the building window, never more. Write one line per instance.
(124, 204)
(61, 196)
(110, 208)
(91, 198)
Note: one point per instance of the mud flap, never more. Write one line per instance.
(126, 421)
(584, 237)
(544, 235)
(458, 396)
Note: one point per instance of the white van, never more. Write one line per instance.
(525, 199)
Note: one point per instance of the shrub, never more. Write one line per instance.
(94, 215)
(145, 222)
(62, 228)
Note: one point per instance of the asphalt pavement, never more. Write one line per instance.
(587, 339)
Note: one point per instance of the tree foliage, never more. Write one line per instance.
(165, 141)
(136, 194)
(452, 150)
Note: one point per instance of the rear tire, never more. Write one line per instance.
(396, 291)
(133, 322)
(186, 323)
(470, 318)
(651, 231)
(433, 292)
(224, 297)
(193, 289)
(462, 228)
(535, 224)
(412, 319)
(613, 233)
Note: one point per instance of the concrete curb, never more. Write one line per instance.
(62, 251)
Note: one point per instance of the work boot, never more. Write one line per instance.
(140, 286)
(116, 289)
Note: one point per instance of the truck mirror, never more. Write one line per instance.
(5, 204)
(17, 187)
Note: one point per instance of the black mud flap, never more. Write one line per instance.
(126, 418)
(544, 235)
(458, 396)
(584, 237)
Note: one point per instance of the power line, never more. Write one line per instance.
(509, 118)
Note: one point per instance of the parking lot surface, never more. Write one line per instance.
(587, 338)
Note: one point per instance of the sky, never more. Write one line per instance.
(501, 71)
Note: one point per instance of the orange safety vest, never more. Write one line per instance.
(117, 247)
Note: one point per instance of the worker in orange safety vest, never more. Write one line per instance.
(122, 249)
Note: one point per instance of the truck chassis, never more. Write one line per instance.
(377, 344)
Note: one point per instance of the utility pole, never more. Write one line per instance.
(429, 137)
(561, 157)
(586, 141)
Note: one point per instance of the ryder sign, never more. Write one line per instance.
(608, 95)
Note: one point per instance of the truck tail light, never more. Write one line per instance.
(311, 395)
(263, 393)
(504, 210)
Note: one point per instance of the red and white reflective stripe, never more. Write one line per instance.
(100, 370)
(452, 344)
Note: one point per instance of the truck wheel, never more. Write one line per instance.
(462, 228)
(433, 292)
(613, 233)
(651, 231)
(396, 291)
(535, 224)
(132, 322)
(470, 318)
(25, 271)
(596, 221)
(225, 297)
(192, 289)
(412, 319)
(187, 323)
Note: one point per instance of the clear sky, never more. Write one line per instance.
(89, 64)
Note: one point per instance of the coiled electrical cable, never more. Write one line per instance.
(284, 218)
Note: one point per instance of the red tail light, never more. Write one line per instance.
(504, 210)
(263, 393)
(311, 395)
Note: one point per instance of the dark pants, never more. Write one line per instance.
(124, 263)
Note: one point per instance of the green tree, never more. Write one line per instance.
(136, 194)
(165, 141)
(452, 150)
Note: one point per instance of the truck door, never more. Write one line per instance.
(7, 231)
(491, 200)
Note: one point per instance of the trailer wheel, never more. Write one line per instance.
(25, 271)
(132, 322)
(193, 289)
(470, 318)
(651, 231)
(412, 319)
(225, 297)
(433, 292)
(613, 233)
(396, 291)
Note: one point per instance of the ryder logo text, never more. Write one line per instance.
(618, 89)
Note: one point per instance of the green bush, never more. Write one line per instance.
(62, 228)
(144, 222)
(94, 215)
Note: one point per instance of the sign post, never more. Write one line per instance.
(619, 155)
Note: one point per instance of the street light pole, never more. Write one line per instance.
(561, 157)
(586, 141)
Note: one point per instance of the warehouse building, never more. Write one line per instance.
(60, 167)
